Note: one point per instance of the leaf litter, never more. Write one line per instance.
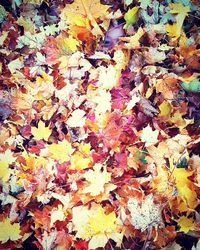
(99, 114)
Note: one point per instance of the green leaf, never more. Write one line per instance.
(141, 157)
(3, 13)
(128, 2)
(183, 163)
(131, 16)
(192, 86)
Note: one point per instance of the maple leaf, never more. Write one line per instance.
(133, 41)
(149, 136)
(161, 181)
(179, 8)
(6, 159)
(145, 214)
(15, 65)
(9, 231)
(61, 151)
(165, 108)
(94, 224)
(4, 171)
(79, 161)
(108, 77)
(97, 179)
(77, 119)
(67, 45)
(174, 30)
(184, 187)
(41, 132)
(135, 99)
(185, 224)
(159, 153)
(33, 161)
(92, 9)
(57, 215)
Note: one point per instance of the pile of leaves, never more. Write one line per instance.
(99, 113)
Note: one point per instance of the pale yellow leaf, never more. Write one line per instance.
(92, 222)
(9, 231)
(77, 119)
(41, 132)
(61, 151)
(96, 179)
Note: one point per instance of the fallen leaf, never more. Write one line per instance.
(131, 16)
(148, 136)
(165, 108)
(184, 187)
(185, 224)
(77, 119)
(61, 151)
(9, 231)
(94, 223)
(96, 178)
(90, 9)
(41, 132)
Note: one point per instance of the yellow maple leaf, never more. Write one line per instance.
(97, 179)
(177, 119)
(85, 8)
(165, 108)
(27, 24)
(133, 41)
(33, 161)
(179, 8)
(78, 20)
(94, 224)
(9, 231)
(84, 148)
(186, 224)
(181, 11)
(183, 185)
(79, 161)
(100, 222)
(4, 171)
(92, 9)
(6, 159)
(67, 45)
(41, 132)
(61, 151)
(173, 30)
